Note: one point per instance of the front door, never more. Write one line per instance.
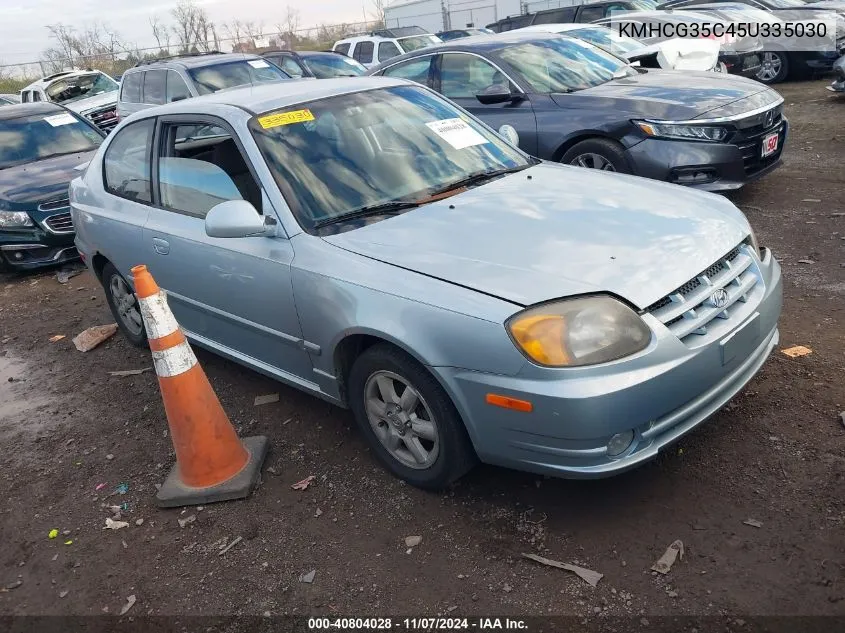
(462, 76)
(233, 295)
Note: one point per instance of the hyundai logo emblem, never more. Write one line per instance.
(770, 118)
(720, 298)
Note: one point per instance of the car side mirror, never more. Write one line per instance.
(497, 93)
(235, 218)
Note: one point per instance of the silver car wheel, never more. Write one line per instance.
(592, 161)
(127, 305)
(770, 68)
(401, 420)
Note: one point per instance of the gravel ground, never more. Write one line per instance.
(775, 454)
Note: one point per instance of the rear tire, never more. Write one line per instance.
(418, 435)
(597, 153)
(775, 68)
(124, 306)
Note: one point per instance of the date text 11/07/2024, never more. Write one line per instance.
(417, 624)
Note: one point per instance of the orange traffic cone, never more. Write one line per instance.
(212, 464)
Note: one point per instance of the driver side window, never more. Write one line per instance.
(465, 76)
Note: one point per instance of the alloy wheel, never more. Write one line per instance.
(592, 161)
(770, 68)
(127, 305)
(401, 420)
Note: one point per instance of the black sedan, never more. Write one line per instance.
(315, 64)
(43, 146)
(571, 102)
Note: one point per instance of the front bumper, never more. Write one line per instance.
(726, 166)
(660, 394)
(34, 248)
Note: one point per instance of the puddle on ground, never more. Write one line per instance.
(18, 397)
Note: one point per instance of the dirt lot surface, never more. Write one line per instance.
(776, 455)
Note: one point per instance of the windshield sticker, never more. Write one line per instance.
(258, 63)
(457, 133)
(285, 118)
(60, 119)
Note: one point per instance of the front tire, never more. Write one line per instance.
(408, 419)
(774, 69)
(124, 306)
(597, 153)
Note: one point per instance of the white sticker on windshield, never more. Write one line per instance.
(457, 133)
(60, 119)
(258, 63)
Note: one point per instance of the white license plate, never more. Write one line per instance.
(770, 144)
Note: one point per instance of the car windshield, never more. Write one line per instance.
(606, 39)
(38, 136)
(210, 79)
(409, 44)
(563, 64)
(348, 153)
(645, 5)
(69, 89)
(328, 66)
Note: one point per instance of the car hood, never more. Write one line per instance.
(565, 231)
(23, 186)
(92, 103)
(674, 95)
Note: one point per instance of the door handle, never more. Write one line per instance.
(162, 247)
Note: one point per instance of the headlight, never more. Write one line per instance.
(14, 219)
(685, 131)
(578, 332)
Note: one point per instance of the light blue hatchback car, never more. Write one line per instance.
(370, 242)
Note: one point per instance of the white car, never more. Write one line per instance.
(674, 54)
(372, 49)
(91, 93)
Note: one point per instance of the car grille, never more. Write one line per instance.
(59, 222)
(104, 118)
(749, 140)
(689, 310)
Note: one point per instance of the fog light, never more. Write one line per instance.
(694, 176)
(620, 443)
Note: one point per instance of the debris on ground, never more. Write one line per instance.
(230, 545)
(187, 520)
(309, 577)
(100, 486)
(797, 351)
(53, 533)
(69, 542)
(57, 338)
(130, 602)
(115, 525)
(11, 586)
(587, 575)
(412, 541)
(673, 552)
(130, 372)
(139, 522)
(753, 523)
(268, 399)
(94, 336)
(507, 588)
(66, 273)
(121, 489)
(806, 261)
(303, 485)
(63, 594)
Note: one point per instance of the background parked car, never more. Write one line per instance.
(587, 12)
(42, 146)
(572, 102)
(91, 93)
(318, 65)
(776, 65)
(675, 54)
(7, 99)
(457, 34)
(737, 55)
(181, 77)
(838, 84)
(371, 49)
(543, 308)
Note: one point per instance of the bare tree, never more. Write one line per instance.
(288, 27)
(377, 11)
(62, 53)
(161, 33)
(193, 28)
(235, 32)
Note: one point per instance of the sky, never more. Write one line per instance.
(23, 32)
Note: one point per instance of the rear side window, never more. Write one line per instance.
(560, 16)
(36, 96)
(414, 69)
(130, 90)
(588, 14)
(364, 52)
(387, 50)
(126, 165)
(343, 49)
(155, 89)
(25, 96)
(176, 87)
(289, 65)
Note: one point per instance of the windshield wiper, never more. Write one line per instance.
(387, 208)
(477, 178)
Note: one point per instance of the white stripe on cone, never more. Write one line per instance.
(158, 318)
(174, 361)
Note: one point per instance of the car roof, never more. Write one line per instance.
(46, 81)
(367, 38)
(560, 27)
(18, 110)
(195, 61)
(277, 94)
